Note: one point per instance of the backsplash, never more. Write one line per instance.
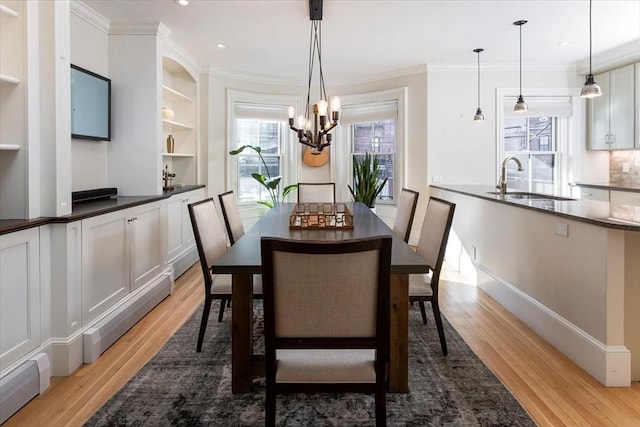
(624, 167)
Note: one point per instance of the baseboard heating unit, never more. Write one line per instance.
(103, 334)
(23, 384)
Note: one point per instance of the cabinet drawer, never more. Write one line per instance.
(625, 197)
(594, 194)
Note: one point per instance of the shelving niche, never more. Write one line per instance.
(179, 93)
(13, 110)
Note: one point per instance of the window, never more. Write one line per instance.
(533, 141)
(377, 137)
(266, 135)
(543, 139)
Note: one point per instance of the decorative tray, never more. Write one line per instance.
(326, 216)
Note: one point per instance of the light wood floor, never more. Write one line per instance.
(553, 389)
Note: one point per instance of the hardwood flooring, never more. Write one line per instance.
(552, 388)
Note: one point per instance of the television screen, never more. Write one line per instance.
(90, 105)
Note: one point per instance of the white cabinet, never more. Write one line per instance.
(625, 197)
(179, 102)
(594, 194)
(19, 295)
(612, 115)
(120, 251)
(180, 240)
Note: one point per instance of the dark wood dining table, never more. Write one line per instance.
(243, 260)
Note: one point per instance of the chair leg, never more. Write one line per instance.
(270, 409)
(223, 304)
(424, 313)
(203, 323)
(437, 316)
(381, 408)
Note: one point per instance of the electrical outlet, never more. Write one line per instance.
(437, 178)
(625, 167)
(561, 229)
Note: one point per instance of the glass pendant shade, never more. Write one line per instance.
(479, 117)
(591, 89)
(520, 106)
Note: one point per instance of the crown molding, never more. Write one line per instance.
(499, 67)
(627, 53)
(91, 16)
(139, 29)
(175, 51)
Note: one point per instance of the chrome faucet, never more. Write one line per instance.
(502, 184)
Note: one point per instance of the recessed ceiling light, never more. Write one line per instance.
(564, 43)
(183, 2)
(221, 45)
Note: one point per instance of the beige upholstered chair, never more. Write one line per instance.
(431, 247)
(231, 215)
(326, 329)
(211, 243)
(407, 203)
(320, 192)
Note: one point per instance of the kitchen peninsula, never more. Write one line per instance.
(567, 268)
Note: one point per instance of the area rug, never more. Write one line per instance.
(180, 387)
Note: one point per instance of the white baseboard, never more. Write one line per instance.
(611, 365)
(184, 261)
(23, 384)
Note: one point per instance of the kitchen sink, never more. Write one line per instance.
(518, 195)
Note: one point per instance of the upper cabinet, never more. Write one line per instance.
(612, 115)
(179, 122)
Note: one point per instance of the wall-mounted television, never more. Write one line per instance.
(90, 105)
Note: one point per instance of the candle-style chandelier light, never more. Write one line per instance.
(320, 118)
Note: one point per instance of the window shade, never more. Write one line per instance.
(540, 106)
(248, 110)
(385, 110)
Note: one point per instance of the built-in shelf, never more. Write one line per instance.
(7, 11)
(177, 155)
(9, 79)
(174, 95)
(9, 147)
(177, 125)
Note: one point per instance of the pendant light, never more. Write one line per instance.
(520, 106)
(591, 89)
(479, 117)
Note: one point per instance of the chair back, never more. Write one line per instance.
(305, 300)
(209, 235)
(320, 192)
(434, 235)
(231, 215)
(407, 203)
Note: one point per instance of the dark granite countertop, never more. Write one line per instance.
(91, 208)
(610, 215)
(634, 188)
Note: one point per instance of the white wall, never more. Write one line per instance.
(89, 50)
(464, 151)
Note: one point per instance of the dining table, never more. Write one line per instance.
(243, 259)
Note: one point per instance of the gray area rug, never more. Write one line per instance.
(180, 387)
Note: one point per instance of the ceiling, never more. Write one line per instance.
(363, 38)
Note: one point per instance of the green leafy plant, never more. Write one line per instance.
(367, 184)
(272, 184)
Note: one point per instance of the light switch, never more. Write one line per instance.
(561, 229)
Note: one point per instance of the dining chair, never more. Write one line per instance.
(231, 215)
(211, 243)
(320, 192)
(326, 329)
(431, 246)
(407, 203)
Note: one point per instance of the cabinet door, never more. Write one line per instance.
(187, 229)
(594, 194)
(146, 246)
(105, 263)
(598, 109)
(625, 198)
(622, 107)
(175, 227)
(19, 295)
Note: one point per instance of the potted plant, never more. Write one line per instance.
(272, 184)
(367, 183)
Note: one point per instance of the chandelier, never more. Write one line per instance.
(320, 118)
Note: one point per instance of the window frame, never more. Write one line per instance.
(289, 169)
(341, 159)
(569, 133)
